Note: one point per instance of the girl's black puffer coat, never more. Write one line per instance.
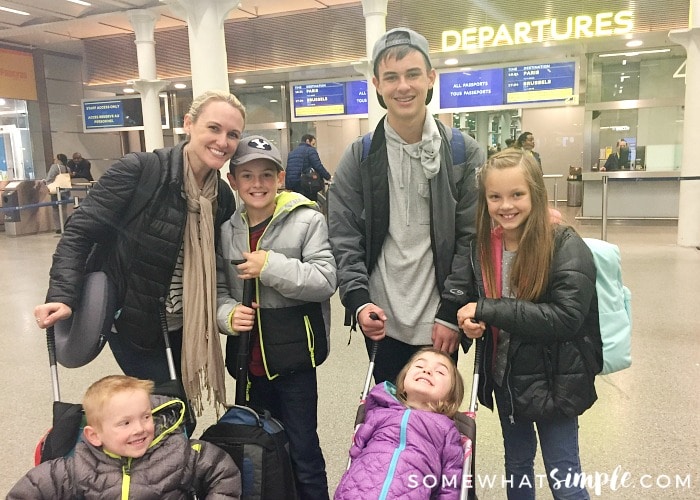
(555, 347)
(139, 255)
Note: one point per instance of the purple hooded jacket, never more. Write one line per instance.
(402, 453)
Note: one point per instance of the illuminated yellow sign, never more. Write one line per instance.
(17, 75)
(603, 24)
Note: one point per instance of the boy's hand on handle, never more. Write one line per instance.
(243, 318)
(470, 326)
(444, 338)
(371, 320)
(48, 314)
(252, 267)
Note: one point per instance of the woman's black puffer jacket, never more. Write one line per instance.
(139, 255)
(555, 347)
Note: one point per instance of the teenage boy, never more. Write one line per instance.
(400, 216)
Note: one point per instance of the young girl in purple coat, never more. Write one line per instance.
(408, 446)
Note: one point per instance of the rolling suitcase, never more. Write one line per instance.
(252, 437)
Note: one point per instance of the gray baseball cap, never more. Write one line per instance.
(395, 38)
(254, 147)
(399, 36)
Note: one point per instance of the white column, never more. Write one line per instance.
(205, 27)
(148, 84)
(689, 199)
(375, 26)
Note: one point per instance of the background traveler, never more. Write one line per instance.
(80, 167)
(165, 256)
(397, 266)
(526, 141)
(618, 159)
(299, 160)
(59, 166)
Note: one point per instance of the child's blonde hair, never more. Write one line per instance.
(530, 271)
(104, 389)
(450, 405)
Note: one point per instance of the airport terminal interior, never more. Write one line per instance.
(107, 77)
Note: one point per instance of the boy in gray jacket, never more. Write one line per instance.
(133, 447)
(283, 240)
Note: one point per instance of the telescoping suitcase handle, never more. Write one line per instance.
(243, 356)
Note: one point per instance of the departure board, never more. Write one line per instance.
(540, 82)
(529, 85)
(330, 100)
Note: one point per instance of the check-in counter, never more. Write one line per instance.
(20, 193)
(632, 194)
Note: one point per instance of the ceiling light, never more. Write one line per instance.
(13, 11)
(632, 54)
(634, 43)
(239, 81)
(451, 62)
(80, 2)
(273, 100)
(128, 90)
(180, 86)
(268, 87)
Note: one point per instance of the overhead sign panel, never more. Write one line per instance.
(529, 85)
(329, 100)
(118, 113)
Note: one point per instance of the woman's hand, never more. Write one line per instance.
(470, 326)
(48, 314)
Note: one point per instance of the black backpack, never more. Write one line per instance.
(258, 444)
(310, 182)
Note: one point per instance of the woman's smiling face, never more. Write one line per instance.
(214, 135)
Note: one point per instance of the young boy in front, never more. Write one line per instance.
(133, 447)
(283, 240)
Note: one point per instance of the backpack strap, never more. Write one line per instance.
(459, 147)
(457, 144)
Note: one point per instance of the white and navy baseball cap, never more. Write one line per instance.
(255, 147)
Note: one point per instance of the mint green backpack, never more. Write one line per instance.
(614, 306)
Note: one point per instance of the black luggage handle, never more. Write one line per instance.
(243, 355)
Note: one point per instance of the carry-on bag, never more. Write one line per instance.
(251, 436)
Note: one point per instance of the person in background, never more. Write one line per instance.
(299, 160)
(537, 292)
(283, 240)
(164, 259)
(80, 167)
(59, 166)
(399, 219)
(509, 142)
(619, 159)
(420, 407)
(526, 141)
(129, 429)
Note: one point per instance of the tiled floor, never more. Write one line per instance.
(642, 434)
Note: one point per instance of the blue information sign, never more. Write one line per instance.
(103, 114)
(330, 100)
(319, 99)
(503, 86)
(540, 82)
(467, 89)
(356, 95)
